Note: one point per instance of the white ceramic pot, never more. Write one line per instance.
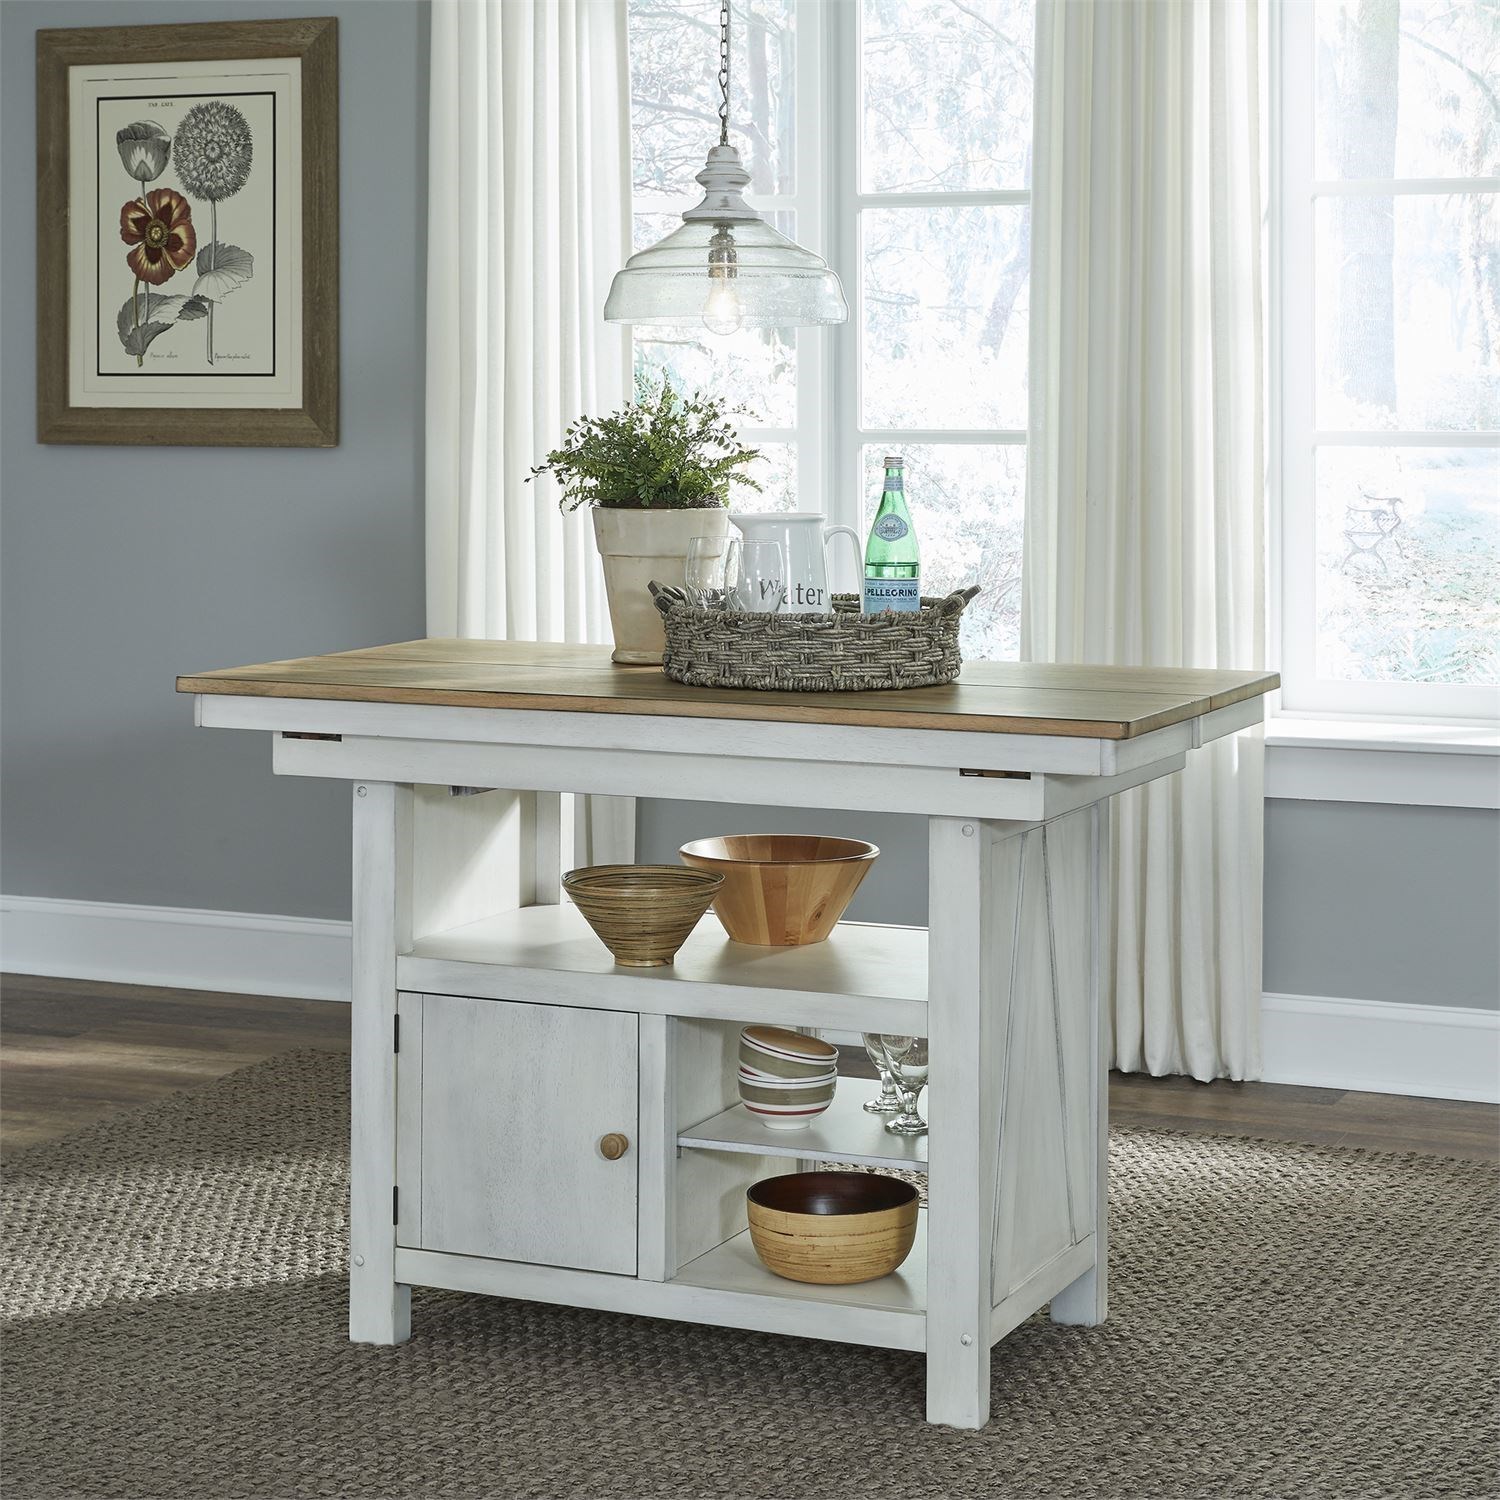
(641, 547)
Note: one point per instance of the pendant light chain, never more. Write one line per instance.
(724, 72)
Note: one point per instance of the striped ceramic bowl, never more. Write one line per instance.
(756, 1076)
(786, 1104)
(753, 1075)
(775, 1052)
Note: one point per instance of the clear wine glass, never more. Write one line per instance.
(761, 586)
(711, 570)
(907, 1056)
(889, 1101)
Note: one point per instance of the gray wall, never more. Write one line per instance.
(1383, 903)
(1362, 902)
(121, 567)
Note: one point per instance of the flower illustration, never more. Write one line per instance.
(143, 149)
(161, 229)
(213, 150)
(212, 153)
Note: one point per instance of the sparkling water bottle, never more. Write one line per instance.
(893, 565)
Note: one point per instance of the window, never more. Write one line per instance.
(894, 137)
(1389, 329)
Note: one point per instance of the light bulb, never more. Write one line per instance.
(722, 312)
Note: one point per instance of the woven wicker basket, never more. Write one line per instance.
(843, 652)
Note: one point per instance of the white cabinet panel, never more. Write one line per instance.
(513, 1102)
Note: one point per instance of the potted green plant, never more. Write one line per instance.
(656, 474)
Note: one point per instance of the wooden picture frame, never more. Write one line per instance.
(301, 391)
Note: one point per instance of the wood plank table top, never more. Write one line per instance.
(1115, 703)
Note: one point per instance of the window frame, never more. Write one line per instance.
(849, 504)
(1295, 437)
(829, 202)
(808, 203)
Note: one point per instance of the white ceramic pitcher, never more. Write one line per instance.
(804, 538)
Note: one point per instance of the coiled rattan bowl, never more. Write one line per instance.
(642, 913)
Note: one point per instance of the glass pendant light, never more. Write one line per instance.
(726, 268)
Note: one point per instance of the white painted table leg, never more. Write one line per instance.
(379, 1307)
(963, 1113)
(1086, 1300)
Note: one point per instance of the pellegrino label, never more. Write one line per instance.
(893, 564)
(899, 594)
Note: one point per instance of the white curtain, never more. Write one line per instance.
(528, 219)
(1145, 503)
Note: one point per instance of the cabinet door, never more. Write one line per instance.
(514, 1101)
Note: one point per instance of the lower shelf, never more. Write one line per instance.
(728, 1286)
(735, 1267)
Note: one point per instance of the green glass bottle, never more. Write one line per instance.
(893, 564)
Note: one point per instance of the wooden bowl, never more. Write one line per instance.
(642, 913)
(782, 889)
(832, 1228)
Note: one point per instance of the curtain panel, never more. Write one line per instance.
(529, 218)
(1145, 512)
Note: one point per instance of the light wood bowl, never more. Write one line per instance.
(782, 889)
(832, 1228)
(641, 913)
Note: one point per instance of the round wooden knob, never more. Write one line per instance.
(613, 1146)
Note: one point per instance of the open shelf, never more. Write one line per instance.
(735, 1267)
(727, 1285)
(864, 976)
(843, 1132)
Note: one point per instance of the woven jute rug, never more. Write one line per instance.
(1285, 1321)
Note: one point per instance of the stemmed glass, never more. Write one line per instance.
(711, 570)
(889, 1101)
(907, 1059)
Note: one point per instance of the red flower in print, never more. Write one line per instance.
(161, 229)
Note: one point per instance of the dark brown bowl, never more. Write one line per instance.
(832, 1228)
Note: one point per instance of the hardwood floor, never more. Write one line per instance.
(1285, 1112)
(74, 1050)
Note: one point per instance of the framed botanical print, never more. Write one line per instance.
(187, 234)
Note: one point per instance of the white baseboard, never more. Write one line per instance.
(238, 952)
(1369, 1046)
(1435, 1051)
(1372, 1046)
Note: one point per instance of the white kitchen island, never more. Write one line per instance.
(496, 1044)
